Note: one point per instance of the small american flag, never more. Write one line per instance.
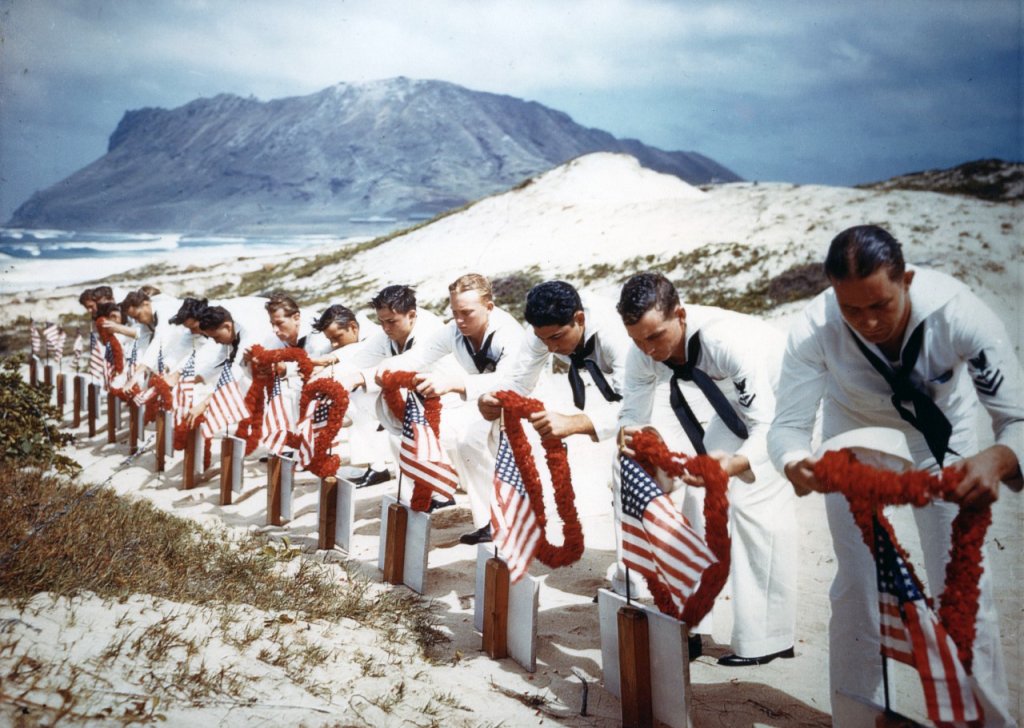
(422, 458)
(37, 342)
(277, 419)
(315, 417)
(912, 634)
(656, 540)
(516, 530)
(54, 336)
(97, 358)
(184, 391)
(227, 405)
(78, 347)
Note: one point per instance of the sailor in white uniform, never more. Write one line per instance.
(914, 350)
(485, 342)
(583, 332)
(731, 362)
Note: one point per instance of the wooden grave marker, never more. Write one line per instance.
(62, 393)
(232, 463)
(646, 662)
(93, 407)
(335, 514)
(78, 398)
(280, 477)
(519, 615)
(404, 544)
(192, 466)
(164, 439)
(113, 416)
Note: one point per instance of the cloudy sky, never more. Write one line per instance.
(809, 92)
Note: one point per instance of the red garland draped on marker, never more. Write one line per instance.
(516, 409)
(323, 464)
(869, 489)
(651, 452)
(109, 339)
(161, 400)
(391, 385)
(264, 363)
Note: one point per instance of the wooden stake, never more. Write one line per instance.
(394, 548)
(62, 395)
(93, 407)
(77, 395)
(328, 513)
(134, 427)
(228, 463)
(496, 585)
(163, 423)
(33, 373)
(48, 376)
(189, 467)
(275, 469)
(635, 669)
(113, 417)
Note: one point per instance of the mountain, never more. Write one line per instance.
(398, 147)
(986, 179)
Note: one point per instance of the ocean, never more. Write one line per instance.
(32, 259)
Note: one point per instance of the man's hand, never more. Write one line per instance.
(731, 464)
(435, 385)
(626, 438)
(489, 407)
(801, 474)
(323, 361)
(351, 380)
(553, 424)
(172, 378)
(196, 411)
(981, 475)
(247, 355)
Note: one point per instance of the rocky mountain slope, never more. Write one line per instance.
(398, 148)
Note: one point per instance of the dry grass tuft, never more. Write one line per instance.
(115, 548)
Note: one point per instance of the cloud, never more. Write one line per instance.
(751, 83)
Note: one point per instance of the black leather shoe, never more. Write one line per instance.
(371, 477)
(734, 660)
(695, 646)
(436, 505)
(481, 535)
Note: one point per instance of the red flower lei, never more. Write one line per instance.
(264, 364)
(108, 338)
(518, 407)
(868, 489)
(162, 400)
(323, 464)
(651, 453)
(391, 385)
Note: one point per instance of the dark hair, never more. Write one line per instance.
(213, 316)
(190, 309)
(859, 251)
(643, 292)
(104, 309)
(134, 299)
(283, 302)
(552, 303)
(336, 314)
(149, 290)
(400, 299)
(103, 293)
(87, 295)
